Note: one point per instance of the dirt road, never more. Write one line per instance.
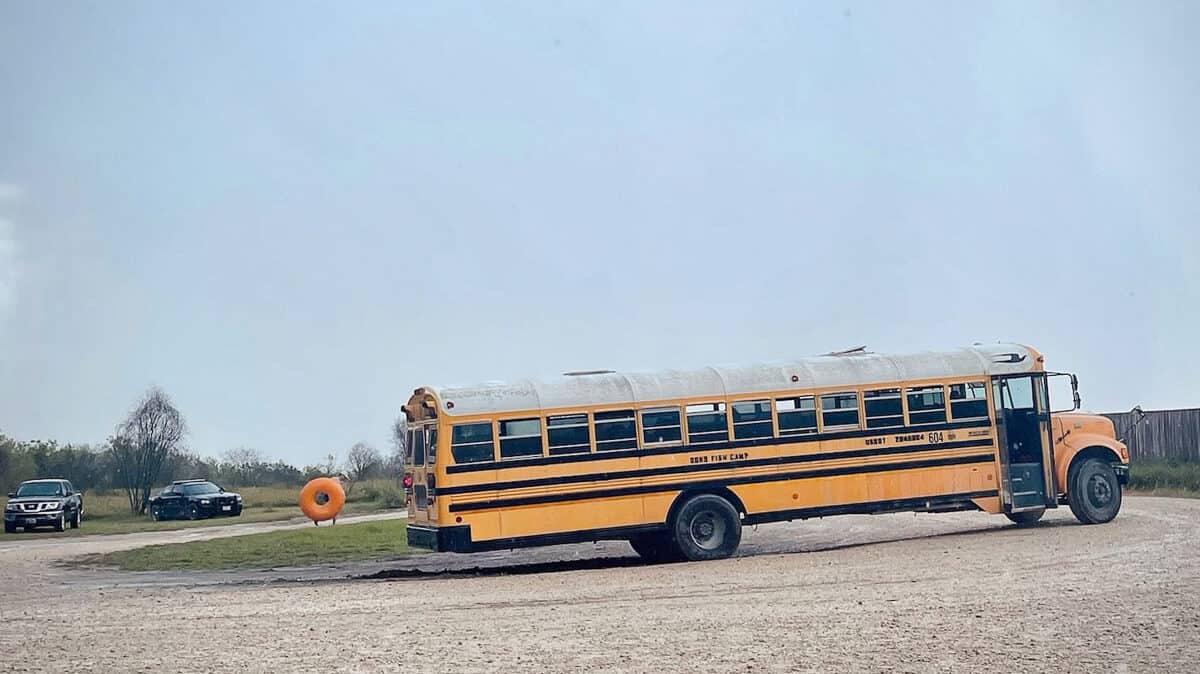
(859, 593)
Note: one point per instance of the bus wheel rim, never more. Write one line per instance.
(707, 530)
(1099, 491)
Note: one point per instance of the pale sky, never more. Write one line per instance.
(289, 215)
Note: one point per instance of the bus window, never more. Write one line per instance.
(419, 447)
(751, 419)
(968, 401)
(472, 443)
(660, 426)
(796, 415)
(520, 437)
(615, 430)
(707, 423)
(568, 434)
(926, 405)
(839, 410)
(1018, 393)
(883, 408)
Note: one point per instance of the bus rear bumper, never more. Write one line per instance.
(440, 539)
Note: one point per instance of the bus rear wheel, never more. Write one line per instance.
(706, 527)
(655, 548)
(1093, 492)
(1027, 517)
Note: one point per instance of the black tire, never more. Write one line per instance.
(61, 523)
(10, 528)
(237, 512)
(706, 527)
(1026, 517)
(656, 548)
(76, 517)
(156, 513)
(193, 512)
(1093, 491)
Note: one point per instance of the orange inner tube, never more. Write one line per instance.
(322, 499)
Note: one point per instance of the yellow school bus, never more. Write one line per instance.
(677, 462)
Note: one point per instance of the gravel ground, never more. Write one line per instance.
(858, 593)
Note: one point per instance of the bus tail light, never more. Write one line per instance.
(408, 482)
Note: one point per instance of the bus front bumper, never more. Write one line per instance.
(440, 539)
(1122, 471)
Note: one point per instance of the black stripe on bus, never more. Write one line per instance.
(457, 537)
(731, 444)
(717, 484)
(699, 467)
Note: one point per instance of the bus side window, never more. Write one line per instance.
(615, 430)
(752, 419)
(926, 405)
(968, 401)
(796, 415)
(472, 443)
(707, 423)
(520, 437)
(568, 434)
(883, 408)
(839, 410)
(660, 426)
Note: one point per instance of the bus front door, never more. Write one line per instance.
(1023, 434)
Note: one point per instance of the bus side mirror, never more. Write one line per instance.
(1074, 382)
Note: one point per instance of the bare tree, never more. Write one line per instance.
(242, 462)
(243, 456)
(363, 461)
(394, 466)
(148, 437)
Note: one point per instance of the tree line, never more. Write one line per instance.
(148, 450)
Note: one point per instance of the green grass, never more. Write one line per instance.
(1161, 477)
(298, 547)
(108, 512)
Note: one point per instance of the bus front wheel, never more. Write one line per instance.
(706, 526)
(1094, 493)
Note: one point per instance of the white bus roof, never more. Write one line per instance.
(851, 369)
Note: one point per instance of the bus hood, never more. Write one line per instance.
(1078, 422)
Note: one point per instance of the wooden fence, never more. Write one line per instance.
(1165, 434)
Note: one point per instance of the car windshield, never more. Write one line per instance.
(40, 489)
(199, 488)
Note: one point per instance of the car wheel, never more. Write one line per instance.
(193, 512)
(156, 513)
(61, 524)
(76, 517)
(10, 528)
(706, 527)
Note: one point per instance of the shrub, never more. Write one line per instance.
(385, 493)
(1154, 474)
